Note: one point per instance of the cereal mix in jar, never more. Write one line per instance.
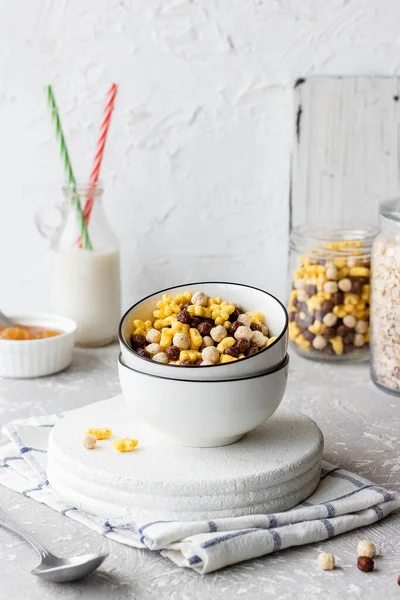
(385, 300)
(329, 302)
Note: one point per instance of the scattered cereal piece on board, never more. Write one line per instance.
(365, 563)
(90, 441)
(366, 548)
(102, 433)
(326, 561)
(125, 444)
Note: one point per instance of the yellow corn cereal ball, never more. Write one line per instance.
(226, 343)
(294, 330)
(219, 321)
(166, 337)
(337, 345)
(89, 441)
(153, 349)
(102, 433)
(137, 323)
(161, 357)
(153, 336)
(271, 341)
(359, 272)
(140, 331)
(125, 444)
(200, 299)
(225, 358)
(195, 338)
(210, 354)
(191, 355)
(259, 339)
(218, 333)
(244, 320)
(181, 341)
(227, 324)
(244, 333)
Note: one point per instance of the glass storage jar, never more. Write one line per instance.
(330, 291)
(385, 300)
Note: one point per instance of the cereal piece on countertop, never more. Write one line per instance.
(89, 441)
(100, 433)
(125, 444)
(326, 561)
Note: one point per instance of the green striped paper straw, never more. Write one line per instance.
(69, 174)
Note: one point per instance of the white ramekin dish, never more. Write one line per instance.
(203, 413)
(22, 359)
(249, 298)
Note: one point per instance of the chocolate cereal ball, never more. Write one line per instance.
(172, 352)
(138, 341)
(205, 328)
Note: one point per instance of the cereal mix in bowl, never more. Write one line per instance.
(192, 329)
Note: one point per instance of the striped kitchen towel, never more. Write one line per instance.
(342, 501)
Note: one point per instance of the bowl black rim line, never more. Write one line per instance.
(279, 337)
(283, 363)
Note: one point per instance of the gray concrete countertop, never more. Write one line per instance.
(361, 426)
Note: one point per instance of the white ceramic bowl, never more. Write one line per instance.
(203, 413)
(249, 298)
(36, 358)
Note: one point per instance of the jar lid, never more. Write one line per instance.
(327, 238)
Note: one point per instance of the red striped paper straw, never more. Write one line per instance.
(98, 158)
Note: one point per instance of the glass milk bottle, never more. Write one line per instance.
(84, 281)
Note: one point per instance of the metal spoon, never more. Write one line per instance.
(52, 568)
(4, 319)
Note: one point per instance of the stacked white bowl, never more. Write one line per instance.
(212, 405)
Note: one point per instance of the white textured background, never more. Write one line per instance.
(197, 164)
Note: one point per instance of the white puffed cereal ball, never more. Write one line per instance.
(219, 332)
(161, 357)
(210, 353)
(349, 321)
(153, 336)
(319, 342)
(89, 441)
(181, 341)
(366, 548)
(206, 363)
(331, 272)
(330, 287)
(329, 319)
(359, 340)
(361, 327)
(326, 561)
(299, 284)
(351, 262)
(345, 284)
(258, 338)
(200, 299)
(244, 319)
(264, 330)
(302, 296)
(207, 341)
(153, 349)
(244, 333)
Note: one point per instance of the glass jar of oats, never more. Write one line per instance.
(330, 291)
(385, 300)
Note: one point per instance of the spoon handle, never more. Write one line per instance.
(5, 320)
(7, 524)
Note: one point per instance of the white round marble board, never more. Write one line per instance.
(271, 469)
